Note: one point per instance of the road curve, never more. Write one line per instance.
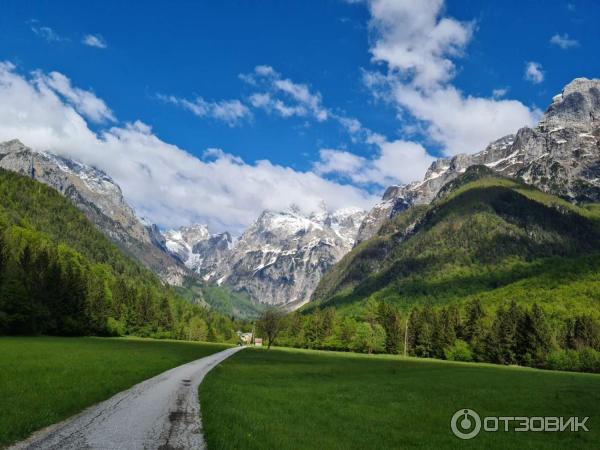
(160, 413)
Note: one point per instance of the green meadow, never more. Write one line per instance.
(297, 399)
(44, 380)
(302, 399)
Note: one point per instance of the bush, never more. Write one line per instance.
(161, 334)
(563, 360)
(460, 351)
(589, 360)
(115, 327)
(369, 339)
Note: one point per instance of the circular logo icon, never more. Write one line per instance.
(465, 424)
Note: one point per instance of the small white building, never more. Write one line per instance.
(245, 338)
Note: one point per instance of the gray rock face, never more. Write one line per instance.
(199, 250)
(180, 242)
(100, 199)
(280, 258)
(561, 155)
(212, 252)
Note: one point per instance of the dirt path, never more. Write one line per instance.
(160, 413)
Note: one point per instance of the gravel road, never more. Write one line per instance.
(160, 413)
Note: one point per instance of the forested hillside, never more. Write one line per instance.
(220, 299)
(482, 234)
(493, 270)
(60, 275)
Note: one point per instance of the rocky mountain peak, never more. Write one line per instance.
(70, 178)
(582, 85)
(194, 233)
(13, 146)
(437, 167)
(278, 260)
(577, 106)
(391, 192)
(561, 155)
(281, 257)
(197, 248)
(282, 223)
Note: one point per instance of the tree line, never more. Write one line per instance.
(510, 333)
(47, 289)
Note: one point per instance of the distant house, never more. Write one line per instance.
(245, 338)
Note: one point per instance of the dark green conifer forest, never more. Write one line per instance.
(59, 275)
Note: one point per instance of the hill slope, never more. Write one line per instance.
(483, 236)
(100, 199)
(60, 275)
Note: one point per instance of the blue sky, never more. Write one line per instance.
(328, 62)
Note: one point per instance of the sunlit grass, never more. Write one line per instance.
(302, 399)
(44, 380)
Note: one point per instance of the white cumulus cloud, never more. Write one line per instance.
(396, 162)
(418, 44)
(162, 181)
(499, 92)
(534, 72)
(94, 40)
(563, 41)
(45, 32)
(231, 112)
(283, 96)
(463, 123)
(415, 39)
(288, 98)
(85, 102)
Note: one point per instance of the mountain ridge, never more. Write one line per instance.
(278, 260)
(561, 155)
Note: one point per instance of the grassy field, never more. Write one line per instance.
(44, 380)
(299, 399)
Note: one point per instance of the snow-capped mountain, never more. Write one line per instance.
(278, 260)
(199, 250)
(561, 155)
(181, 241)
(100, 199)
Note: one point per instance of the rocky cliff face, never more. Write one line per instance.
(561, 155)
(200, 251)
(100, 199)
(279, 260)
